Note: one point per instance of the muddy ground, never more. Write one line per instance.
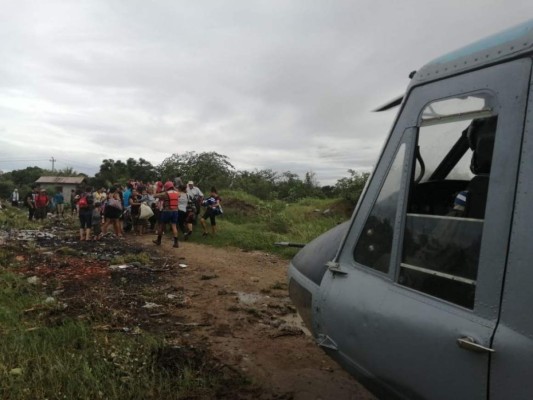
(229, 305)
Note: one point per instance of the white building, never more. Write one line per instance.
(64, 183)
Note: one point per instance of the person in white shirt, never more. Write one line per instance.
(15, 198)
(196, 196)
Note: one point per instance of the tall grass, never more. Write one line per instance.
(17, 218)
(253, 224)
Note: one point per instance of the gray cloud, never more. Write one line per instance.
(270, 84)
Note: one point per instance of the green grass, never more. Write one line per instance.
(69, 360)
(16, 218)
(46, 357)
(143, 258)
(251, 224)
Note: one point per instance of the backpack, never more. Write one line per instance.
(83, 202)
(191, 203)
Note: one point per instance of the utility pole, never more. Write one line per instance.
(53, 160)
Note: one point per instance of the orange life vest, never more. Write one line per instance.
(173, 198)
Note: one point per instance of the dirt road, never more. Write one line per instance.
(237, 304)
(228, 307)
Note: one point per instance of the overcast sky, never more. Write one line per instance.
(286, 85)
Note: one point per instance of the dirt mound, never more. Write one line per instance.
(239, 207)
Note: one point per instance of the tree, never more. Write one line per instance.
(111, 171)
(6, 188)
(205, 169)
(170, 167)
(260, 183)
(67, 171)
(350, 188)
(328, 191)
(22, 179)
(26, 176)
(141, 170)
(291, 188)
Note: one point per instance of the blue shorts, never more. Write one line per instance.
(168, 216)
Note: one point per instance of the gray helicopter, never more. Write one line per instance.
(426, 292)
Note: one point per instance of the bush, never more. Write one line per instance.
(351, 188)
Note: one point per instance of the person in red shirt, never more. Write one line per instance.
(41, 204)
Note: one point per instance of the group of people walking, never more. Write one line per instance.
(180, 206)
(137, 207)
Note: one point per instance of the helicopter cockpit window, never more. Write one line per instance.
(374, 246)
(456, 108)
(447, 199)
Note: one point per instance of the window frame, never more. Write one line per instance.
(509, 105)
(402, 151)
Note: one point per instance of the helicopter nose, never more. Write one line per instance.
(309, 266)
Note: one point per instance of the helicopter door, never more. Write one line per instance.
(513, 341)
(411, 302)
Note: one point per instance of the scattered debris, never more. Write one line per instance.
(119, 267)
(249, 298)
(287, 330)
(161, 314)
(32, 309)
(27, 235)
(149, 304)
(208, 277)
(16, 371)
(192, 324)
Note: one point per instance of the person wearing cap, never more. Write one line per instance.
(459, 204)
(196, 196)
(169, 212)
(15, 198)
